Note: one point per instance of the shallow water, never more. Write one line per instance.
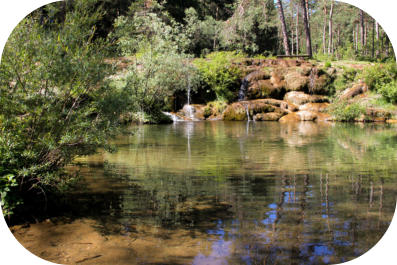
(242, 192)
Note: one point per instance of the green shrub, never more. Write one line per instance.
(55, 103)
(207, 111)
(343, 111)
(219, 72)
(327, 64)
(378, 75)
(389, 91)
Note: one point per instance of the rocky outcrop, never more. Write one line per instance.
(275, 77)
(316, 107)
(300, 98)
(355, 90)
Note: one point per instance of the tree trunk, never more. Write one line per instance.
(373, 39)
(362, 29)
(331, 12)
(292, 32)
(325, 27)
(377, 40)
(297, 29)
(357, 37)
(387, 46)
(283, 27)
(307, 13)
(307, 30)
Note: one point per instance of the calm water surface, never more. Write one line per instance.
(257, 193)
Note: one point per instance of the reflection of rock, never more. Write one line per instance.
(271, 116)
(305, 115)
(300, 98)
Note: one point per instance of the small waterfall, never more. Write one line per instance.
(312, 79)
(243, 89)
(173, 117)
(189, 111)
(247, 111)
(188, 91)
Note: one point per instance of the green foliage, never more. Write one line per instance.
(327, 64)
(343, 111)
(138, 34)
(216, 108)
(9, 201)
(54, 102)
(251, 29)
(345, 79)
(389, 91)
(379, 74)
(382, 78)
(202, 34)
(219, 72)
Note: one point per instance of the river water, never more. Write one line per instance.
(240, 193)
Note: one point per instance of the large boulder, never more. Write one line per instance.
(316, 107)
(300, 98)
(294, 81)
(258, 75)
(239, 111)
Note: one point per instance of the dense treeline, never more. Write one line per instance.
(61, 97)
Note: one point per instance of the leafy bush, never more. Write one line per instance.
(219, 72)
(345, 80)
(215, 108)
(343, 111)
(382, 78)
(54, 102)
(327, 64)
(379, 75)
(389, 91)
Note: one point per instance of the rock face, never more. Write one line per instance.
(300, 98)
(273, 78)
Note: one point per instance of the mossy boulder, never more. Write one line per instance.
(235, 112)
(320, 84)
(238, 110)
(294, 81)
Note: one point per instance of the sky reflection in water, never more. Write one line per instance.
(269, 193)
